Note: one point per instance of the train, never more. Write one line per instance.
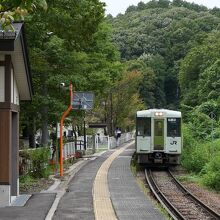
(158, 137)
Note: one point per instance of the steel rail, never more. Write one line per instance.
(173, 212)
(186, 192)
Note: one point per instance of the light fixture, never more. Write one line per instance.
(158, 113)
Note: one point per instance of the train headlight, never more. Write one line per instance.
(158, 113)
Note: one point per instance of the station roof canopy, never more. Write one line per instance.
(13, 43)
(97, 125)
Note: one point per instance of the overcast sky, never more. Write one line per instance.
(119, 6)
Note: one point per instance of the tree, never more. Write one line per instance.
(126, 100)
(89, 60)
(11, 10)
(163, 32)
(199, 72)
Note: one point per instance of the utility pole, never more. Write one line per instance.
(61, 128)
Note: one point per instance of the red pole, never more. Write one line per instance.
(61, 129)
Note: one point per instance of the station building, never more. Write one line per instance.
(15, 86)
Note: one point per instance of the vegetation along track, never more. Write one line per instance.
(179, 202)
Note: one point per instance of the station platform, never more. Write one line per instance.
(98, 188)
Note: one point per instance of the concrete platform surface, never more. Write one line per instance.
(128, 200)
(36, 208)
(102, 188)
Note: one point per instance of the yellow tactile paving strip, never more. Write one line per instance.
(101, 197)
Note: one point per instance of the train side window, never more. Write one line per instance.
(174, 127)
(143, 126)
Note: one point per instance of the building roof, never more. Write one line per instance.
(14, 43)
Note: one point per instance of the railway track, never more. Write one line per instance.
(176, 199)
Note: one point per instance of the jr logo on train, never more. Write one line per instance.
(158, 136)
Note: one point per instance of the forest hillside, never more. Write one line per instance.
(175, 45)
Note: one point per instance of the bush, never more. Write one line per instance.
(195, 155)
(39, 158)
(195, 160)
(188, 139)
(26, 181)
(211, 173)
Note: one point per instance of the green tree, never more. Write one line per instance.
(11, 10)
(55, 55)
(165, 31)
(199, 72)
(126, 100)
(89, 60)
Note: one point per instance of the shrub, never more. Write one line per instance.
(211, 173)
(195, 155)
(26, 181)
(39, 159)
(195, 160)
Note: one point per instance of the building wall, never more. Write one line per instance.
(5, 146)
(2, 83)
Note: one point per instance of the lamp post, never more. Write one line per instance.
(61, 128)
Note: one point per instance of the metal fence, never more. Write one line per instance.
(70, 149)
(107, 142)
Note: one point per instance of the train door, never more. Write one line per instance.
(158, 134)
(143, 135)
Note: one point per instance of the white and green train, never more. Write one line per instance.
(158, 136)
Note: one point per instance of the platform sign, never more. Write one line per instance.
(82, 100)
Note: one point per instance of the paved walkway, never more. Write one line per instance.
(101, 197)
(77, 203)
(36, 208)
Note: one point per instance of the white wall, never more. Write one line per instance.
(2, 83)
(5, 195)
(14, 89)
(16, 94)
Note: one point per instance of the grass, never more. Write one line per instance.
(26, 180)
(189, 178)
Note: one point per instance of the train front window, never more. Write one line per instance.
(143, 126)
(174, 127)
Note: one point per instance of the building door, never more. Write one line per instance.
(158, 134)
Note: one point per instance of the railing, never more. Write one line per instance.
(106, 142)
(70, 149)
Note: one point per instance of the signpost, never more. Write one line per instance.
(82, 100)
(78, 101)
